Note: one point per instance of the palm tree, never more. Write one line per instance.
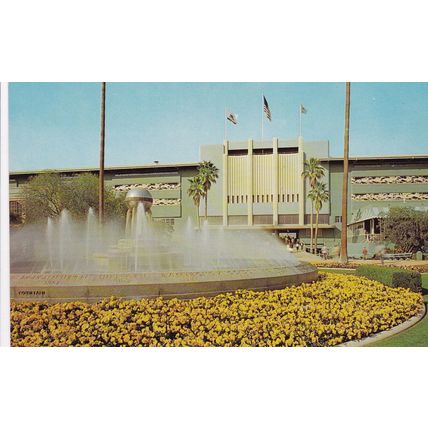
(312, 171)
(208, 173)
(344, 231)
(196, 191)
(318, 195)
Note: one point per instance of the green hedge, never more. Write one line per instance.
(394, 277)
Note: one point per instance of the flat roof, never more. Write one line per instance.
(153, 166)
(376, 157)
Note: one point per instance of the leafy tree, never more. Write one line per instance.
(407, 228)
(313, 171)
(318, 195)
(47, 194)
(81, 193)
(43, 197)
(208, 173)
(196, 191)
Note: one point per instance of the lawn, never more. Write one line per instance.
(414, 336)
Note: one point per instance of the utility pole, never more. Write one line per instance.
(102, 144)
(344, 232)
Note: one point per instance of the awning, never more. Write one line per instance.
(368, 213)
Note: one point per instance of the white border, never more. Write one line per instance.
(4, 220)
(187, 41)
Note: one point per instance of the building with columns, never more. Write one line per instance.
(260, 186)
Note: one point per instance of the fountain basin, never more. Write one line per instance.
(61, 287)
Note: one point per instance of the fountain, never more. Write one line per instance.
(81, 260)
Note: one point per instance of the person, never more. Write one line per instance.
(365, 251)
(324, 252)
(380, 252)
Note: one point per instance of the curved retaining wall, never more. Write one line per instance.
(182, 285)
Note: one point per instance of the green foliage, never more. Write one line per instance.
(313, 171)
(43, 197)
(196, 191)
(208, 174)
(407, 228)
(46, 195)
(393, 277)
(318, 194)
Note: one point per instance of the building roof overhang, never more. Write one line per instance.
(123, 169)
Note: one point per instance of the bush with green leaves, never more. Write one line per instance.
(407, 228)
(47, 194)
(393, 277)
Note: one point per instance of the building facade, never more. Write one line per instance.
(168, 184)
(260, 186)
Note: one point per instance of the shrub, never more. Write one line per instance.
(394, 277)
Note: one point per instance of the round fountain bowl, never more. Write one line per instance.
(59, 287)
(135, 196)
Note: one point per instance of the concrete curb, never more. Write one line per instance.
(387, 333)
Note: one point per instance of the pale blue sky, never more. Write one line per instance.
(56, 125)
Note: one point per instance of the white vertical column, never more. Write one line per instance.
(4, 219)
(301, 182)
(225, 178)
(275, 182)
(250, 183)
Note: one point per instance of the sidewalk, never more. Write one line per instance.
(307, 257)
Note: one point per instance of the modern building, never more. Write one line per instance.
(167, 184)
(260, 186)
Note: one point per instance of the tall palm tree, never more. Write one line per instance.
(208, 173)
(313, 171)
(318, 195)
(344, 231)
(196, 191)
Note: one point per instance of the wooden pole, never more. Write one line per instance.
(102, 145)
(344, 236)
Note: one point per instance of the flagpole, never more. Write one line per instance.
(300, 121)
(262, 114)
(225, 123)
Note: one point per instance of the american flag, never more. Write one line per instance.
(266, 109)
(232, 118)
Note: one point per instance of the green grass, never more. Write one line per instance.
(344, 271)
(414, 336)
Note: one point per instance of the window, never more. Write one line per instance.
(338, 219)
(288, 150)
(15, 207)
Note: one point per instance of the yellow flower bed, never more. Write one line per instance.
(335, 309)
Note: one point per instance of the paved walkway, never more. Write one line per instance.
(307, 257)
